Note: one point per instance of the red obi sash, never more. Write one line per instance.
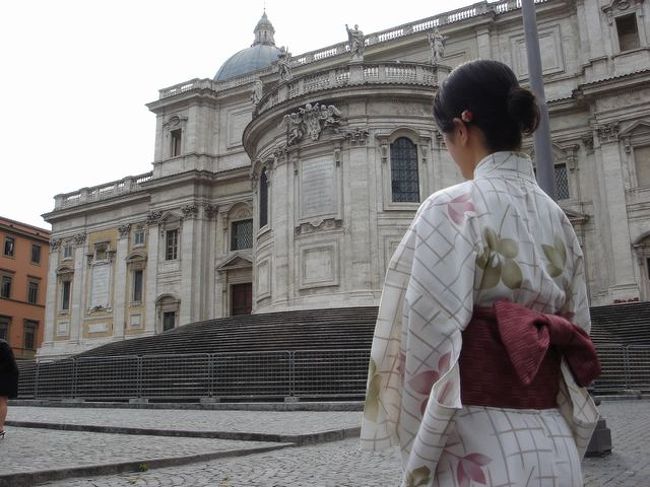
(511, 357)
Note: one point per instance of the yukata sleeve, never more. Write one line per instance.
(574, 402)
(414, 385)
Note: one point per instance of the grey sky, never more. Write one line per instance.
(77, 73)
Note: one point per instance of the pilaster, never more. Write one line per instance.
(121, 282)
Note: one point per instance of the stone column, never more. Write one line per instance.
(356, 254)
(282, 227)
(121, 282)
(188, 243)
(79, 285)
(151, 274)
(50, 298)
(615, 231)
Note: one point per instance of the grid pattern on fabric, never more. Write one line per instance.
(404, 171)
(498, 236)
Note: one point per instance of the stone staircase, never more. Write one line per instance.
(308, 355)
(624, 324)
(320, 329)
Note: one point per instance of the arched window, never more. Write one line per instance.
(264, 199)
(405, 183)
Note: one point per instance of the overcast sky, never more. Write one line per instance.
(77, 73)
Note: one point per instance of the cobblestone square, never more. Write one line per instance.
(336, 463)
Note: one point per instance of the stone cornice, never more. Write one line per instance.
(615, 83)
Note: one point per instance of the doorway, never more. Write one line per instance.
(241, 299)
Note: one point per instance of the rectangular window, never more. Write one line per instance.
(647, 265)
(171, 245)
(29, 334)
(169, 320)
(5, 287)
(32, 292)
(561, 182)
(10, 244)
(628, 32)
(642, 165)
(241, 235)
(138, 237)
(137, 286)
(176, 142)
(101, 251)
(5, 321)
(67, 251)
(65, 295)
(36, 254)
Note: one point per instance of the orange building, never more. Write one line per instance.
(24, 251)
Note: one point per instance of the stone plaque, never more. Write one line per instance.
(62, 328)
(263, 279)
(100, 286)
(318, 188)
(97, 327)
(135, 321)
(318, 265)
(237, 122)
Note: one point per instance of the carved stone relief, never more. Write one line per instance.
(190, 211)
(318, 225)
(174, 121)
(153, 218)
(79, 238)
(608, 132)
(210, 210)
(311, 120)
(357, 135)
(588, 142)
(124, 230)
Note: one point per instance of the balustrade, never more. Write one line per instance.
(84, 195)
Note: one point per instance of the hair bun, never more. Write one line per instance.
(522, 108)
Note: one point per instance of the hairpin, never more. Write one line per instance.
(466, 116)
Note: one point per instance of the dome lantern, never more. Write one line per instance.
(264, 32)
(261, 54)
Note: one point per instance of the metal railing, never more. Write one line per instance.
(192, 377)
(318, 374)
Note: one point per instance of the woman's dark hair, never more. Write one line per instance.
(489, 90)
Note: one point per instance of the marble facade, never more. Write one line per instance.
(283, 177)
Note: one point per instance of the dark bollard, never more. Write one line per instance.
(601, 441)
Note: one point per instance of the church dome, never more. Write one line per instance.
(261, 54)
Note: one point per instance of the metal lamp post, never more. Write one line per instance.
(542, 136)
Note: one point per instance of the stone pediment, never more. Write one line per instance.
(237, 261)
(638, 127)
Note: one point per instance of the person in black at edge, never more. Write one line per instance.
(8, 381)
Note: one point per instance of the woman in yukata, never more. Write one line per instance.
(481, 352)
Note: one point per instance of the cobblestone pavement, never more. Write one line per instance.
(269, 422)
(327, 465)
(342, 464)
(32, 449)
(629, 463)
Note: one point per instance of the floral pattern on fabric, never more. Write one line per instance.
(497, 236)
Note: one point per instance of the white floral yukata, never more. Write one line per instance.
(496, 236)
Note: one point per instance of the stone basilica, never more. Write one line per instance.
(287, 181)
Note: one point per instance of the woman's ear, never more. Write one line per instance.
(461, 132)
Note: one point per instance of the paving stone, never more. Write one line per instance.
(267, 422)
(342, 464)
(32, 449)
